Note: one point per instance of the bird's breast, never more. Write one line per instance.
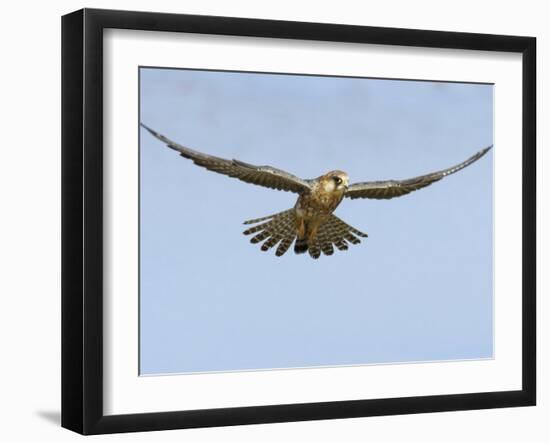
(317, 203)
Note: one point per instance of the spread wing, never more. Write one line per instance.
(396, 188)
(258, 175)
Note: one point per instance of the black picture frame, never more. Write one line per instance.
(82, 218)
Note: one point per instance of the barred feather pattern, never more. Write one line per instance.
(278, 230)
(334, 232)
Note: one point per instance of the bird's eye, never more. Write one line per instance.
(338, 180)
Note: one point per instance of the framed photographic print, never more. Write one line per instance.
(269, 221)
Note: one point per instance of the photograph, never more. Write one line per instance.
(293, 221)
(297, 218)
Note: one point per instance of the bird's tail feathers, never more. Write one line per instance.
(334, 232)
(278, 230)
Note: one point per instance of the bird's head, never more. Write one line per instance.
(335, 181)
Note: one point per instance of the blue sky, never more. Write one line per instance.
(418, 288)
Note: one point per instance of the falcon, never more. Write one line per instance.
(310, 224)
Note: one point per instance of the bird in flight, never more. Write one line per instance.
(310, 224)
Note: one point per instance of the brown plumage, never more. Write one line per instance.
(280, 230)
(310, 224)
